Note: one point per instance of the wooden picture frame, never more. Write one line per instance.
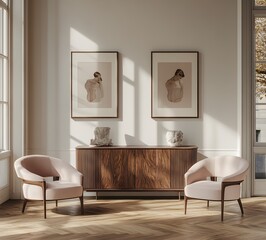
(175, 84)
(94, 84)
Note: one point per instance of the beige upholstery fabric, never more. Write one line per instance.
(226, 168)
(210, 190)
(55, 190)
(216, 179)
(39, 168)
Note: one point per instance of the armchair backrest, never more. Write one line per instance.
(225, 166)
(37, 167)
(229, 168)
(37, 164)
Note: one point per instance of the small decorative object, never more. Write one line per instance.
(174, 138)
(101, 137)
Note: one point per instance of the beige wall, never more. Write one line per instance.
(17, 94)
(134, 28)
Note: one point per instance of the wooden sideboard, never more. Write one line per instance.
(134, 168)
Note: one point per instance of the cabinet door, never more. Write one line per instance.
(152, 169)
(116, 169)
(181, 161)
(86, 165)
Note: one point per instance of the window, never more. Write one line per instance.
(4, 75)
(260, 76)
(259, 106)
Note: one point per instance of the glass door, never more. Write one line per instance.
(259, 106)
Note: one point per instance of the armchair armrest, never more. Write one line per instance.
(37, 183)
(236, 177)
(233, 178)
(70, 174)
(196, 174)
(77, 177)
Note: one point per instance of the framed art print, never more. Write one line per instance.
(174, 84)
(94, 84)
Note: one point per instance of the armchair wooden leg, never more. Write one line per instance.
(222, 201)
(44, 207)
(44, 197)
(224, 185)
(208, 203)
(24, 205)
(222, 210)
(241, 206)
(185, 204)
(81, 204)
(56, 203)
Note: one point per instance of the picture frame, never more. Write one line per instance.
(175, 84)
(94, 84)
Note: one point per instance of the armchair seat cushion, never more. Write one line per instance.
(54, 190)
(211, 190)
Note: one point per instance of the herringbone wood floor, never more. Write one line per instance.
(134, 219)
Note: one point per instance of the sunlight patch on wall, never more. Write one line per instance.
(128, 101)
(79, 41)
(147, 133)
(81, 130)
(128, 70)
(217, 135)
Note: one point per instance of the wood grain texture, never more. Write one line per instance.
(181, 161)
(135, 168)
(86, 164)
(116, 169)
(133, 219)
(152, 169)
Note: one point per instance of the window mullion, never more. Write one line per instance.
(4, 76)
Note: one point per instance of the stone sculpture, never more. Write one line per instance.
(101, 137)
(174, 138)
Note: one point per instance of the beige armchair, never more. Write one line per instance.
(216, 179)
(47, 178)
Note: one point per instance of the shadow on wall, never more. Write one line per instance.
(130, 140)
(137, 50)
(200, 156)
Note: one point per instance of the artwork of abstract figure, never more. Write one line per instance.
(174, 87)
(94, 88)
(94, 84)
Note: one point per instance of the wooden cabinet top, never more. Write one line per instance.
(185, 147)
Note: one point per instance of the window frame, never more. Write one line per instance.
(256, 12)
(258, 148)
(5, 71)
